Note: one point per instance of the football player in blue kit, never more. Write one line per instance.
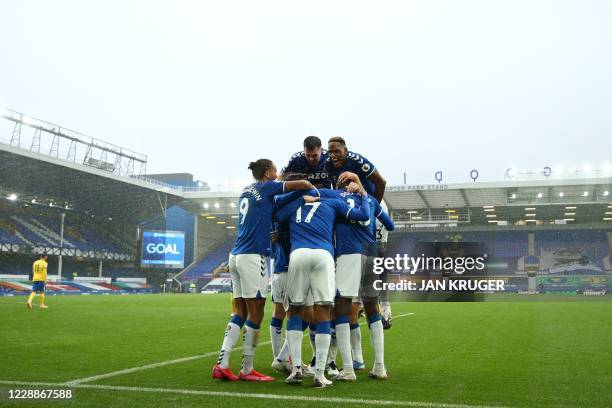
(248, 264)
(281, 247)
(342, 160)
(355, 247)
(311, 269)
(310, 162)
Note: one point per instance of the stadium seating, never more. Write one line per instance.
(23, 287)
(591, 243)
(211, 261)
(41, 230)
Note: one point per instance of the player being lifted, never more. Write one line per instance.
(39, 280)
(311, 268)
(248, 264)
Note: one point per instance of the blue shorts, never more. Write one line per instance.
(38, 286)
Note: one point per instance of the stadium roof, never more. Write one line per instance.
(513, 201)
(46, 179)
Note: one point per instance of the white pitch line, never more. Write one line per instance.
(168, 362)
(148, 366)
(394, 317)
(331, 400)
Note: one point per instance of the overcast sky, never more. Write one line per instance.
(415, 86)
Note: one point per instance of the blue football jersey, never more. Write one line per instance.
(282, 247)
(311, 225)
(315, 174)
(255, 208)
(355, 163)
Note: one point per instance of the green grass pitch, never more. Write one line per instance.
(544, 352)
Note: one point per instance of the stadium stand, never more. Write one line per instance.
(209, 262)
(23, 287)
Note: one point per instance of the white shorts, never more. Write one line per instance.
(279, 286)
(349, 269)
(310, 270)
(249, 274)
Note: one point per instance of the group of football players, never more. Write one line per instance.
(322, 220)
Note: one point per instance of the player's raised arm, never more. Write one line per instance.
(380, 184)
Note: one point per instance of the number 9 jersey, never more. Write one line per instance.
(255, 208)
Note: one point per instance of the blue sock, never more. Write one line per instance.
(294, 323)
(324, 327)
(342, 320)
(373, 318)
(353, 326)
(237, 321)
(305, 325)
(252, 325)
(275, 322)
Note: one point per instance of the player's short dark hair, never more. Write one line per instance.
(259, 167)
(43, 255)
(294, 176)
(337, 139)
(312, 142)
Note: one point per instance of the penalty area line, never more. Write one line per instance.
(330, 400)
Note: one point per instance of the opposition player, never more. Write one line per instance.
(248, 267)
(310, 162)
(39, 280)
(342, 160)
(311, 269)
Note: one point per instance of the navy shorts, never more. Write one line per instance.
(38, 286)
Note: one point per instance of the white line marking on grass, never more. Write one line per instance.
(281, 397)
(148, 366)
(393, 317)
(169, 362)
